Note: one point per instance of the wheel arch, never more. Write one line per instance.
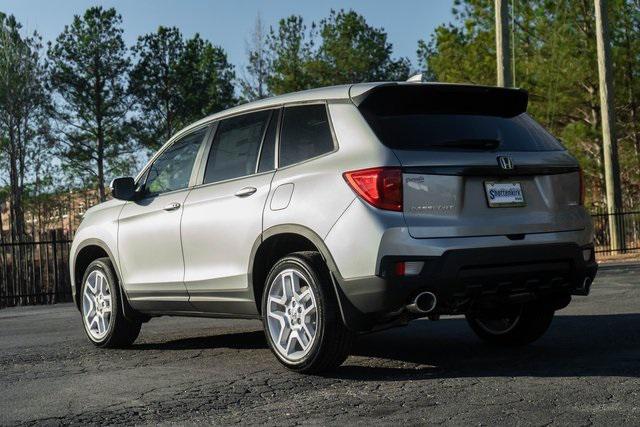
(276, 242)
(86, 253)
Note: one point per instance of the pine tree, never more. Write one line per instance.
(88, 66)
(341, 49)
(23, 105)
(175, 82)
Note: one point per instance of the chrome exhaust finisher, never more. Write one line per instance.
(423, 303)
(584, 288)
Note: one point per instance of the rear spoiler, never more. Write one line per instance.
(437, 98)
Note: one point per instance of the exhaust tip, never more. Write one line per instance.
(423, 303)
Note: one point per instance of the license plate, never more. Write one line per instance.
(504, 194)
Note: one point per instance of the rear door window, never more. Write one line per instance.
(235, 148)
(305, 134)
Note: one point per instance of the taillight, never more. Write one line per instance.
(581, 195)
(408, 268)
(380, 187)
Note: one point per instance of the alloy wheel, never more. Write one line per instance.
(292, 315)
(499, 325)
(96, 305)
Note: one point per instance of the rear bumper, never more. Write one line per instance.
(463, 278)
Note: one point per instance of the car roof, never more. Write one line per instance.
(329, 93)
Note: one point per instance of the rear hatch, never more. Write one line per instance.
(473, 162)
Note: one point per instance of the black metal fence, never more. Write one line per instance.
(629, 225)
(37, 271)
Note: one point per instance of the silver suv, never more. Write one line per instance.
(339, 211)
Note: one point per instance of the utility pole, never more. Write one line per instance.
(503, 54)
(609, 144)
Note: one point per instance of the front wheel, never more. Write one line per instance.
(301, 316)
(517, 326)
(102, 315)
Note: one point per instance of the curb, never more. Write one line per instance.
(631, 265)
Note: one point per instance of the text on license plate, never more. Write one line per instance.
(501, 194)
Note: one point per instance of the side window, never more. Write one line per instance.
(305, 133)
(172, 169)
(234, 151)
(267, 155)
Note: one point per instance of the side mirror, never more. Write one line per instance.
(123, 188)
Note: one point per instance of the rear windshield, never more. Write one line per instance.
(462, 132)
(454, 117)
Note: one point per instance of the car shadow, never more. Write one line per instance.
(590, 345)
(242, 341)
(574, 346)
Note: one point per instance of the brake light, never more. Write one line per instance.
(400, 268)
(581, 195)
(380, 187)
(408, 268)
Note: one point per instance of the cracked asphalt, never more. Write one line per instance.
(186, 371)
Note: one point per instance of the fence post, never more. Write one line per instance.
(55, 265)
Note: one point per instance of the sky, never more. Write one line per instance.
(229, 23)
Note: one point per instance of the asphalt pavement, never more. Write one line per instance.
(585, 370)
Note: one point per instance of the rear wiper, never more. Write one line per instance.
(471, 144)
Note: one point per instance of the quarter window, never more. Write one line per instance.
(234, 151)
(305, 133)
(172, 169)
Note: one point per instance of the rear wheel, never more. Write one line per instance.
(301, 317)
(520, 325)
(102, 315)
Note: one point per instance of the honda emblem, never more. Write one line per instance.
(505, 162)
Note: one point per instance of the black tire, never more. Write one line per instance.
(121, 332)
(530, 322)
(333, 340)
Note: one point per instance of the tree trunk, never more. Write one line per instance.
(15, 201)
(101, 165)
(609, 143)
(503, 52)
(98, 87)
(4, 276)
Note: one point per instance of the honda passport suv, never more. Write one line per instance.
(343, 210)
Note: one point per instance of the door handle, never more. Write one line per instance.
(172, 206)
(246, 191)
